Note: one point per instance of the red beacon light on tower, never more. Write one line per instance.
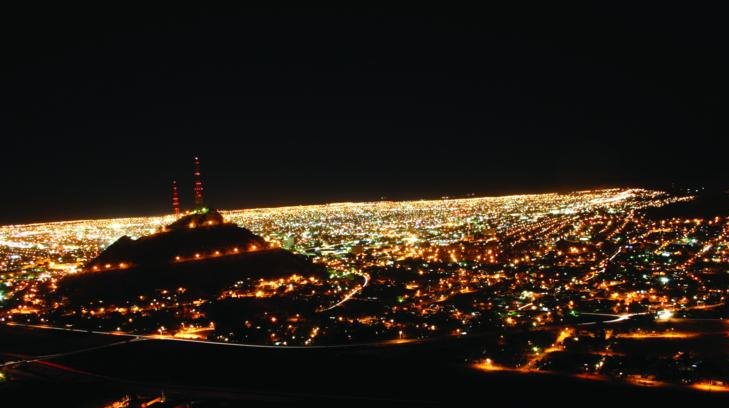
(175, 200)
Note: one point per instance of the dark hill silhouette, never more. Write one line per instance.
(191, 237)
(199, 252)
(706, 205)
(204, 217)
(205, 278)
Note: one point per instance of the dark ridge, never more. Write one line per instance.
(708, 205)
(194, 234)
(199, 252)
(203, 279)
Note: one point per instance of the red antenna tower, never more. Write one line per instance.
(197, 187)
(175, 200)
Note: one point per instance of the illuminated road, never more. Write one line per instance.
(616, 318)
(351, 293)
(38, 359)
(391, 342)
(137, 337)
(604, 264)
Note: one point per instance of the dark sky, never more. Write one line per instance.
(101, 108)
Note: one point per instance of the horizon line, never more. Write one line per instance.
(443, 198)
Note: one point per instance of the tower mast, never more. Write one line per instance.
(175, 200)
(197, 187)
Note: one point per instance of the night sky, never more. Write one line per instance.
(101, 108)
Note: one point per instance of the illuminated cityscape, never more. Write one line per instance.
(259, 205)
(583, 283)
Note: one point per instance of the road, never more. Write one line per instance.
(351, 293)
(36, 359)
(616, 317)
(138, 337)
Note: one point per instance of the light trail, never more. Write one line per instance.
(616, 317)
(69, 353)
(351, 293)
(217, 343)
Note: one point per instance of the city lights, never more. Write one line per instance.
(584, 274)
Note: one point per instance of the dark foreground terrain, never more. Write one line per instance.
(89, 370)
